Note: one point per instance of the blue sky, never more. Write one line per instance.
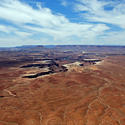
(62, 22)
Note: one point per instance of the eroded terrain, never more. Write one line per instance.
(79, 90)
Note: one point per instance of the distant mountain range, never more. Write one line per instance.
(63, 47)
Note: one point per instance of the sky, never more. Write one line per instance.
(62, 22)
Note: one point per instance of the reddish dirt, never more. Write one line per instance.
(91, 97)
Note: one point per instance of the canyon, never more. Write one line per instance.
(63, 85)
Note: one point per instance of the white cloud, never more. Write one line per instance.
(3, 29)
(23, 34)
(96, 11)
(18, 12)
(48, 26)
(64, 3)
(7, 29)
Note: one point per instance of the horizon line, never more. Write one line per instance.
(60, 45)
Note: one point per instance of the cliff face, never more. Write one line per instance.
(95, 96)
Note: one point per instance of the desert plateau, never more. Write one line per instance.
(62, 85)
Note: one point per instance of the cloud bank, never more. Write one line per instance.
(23, 24)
